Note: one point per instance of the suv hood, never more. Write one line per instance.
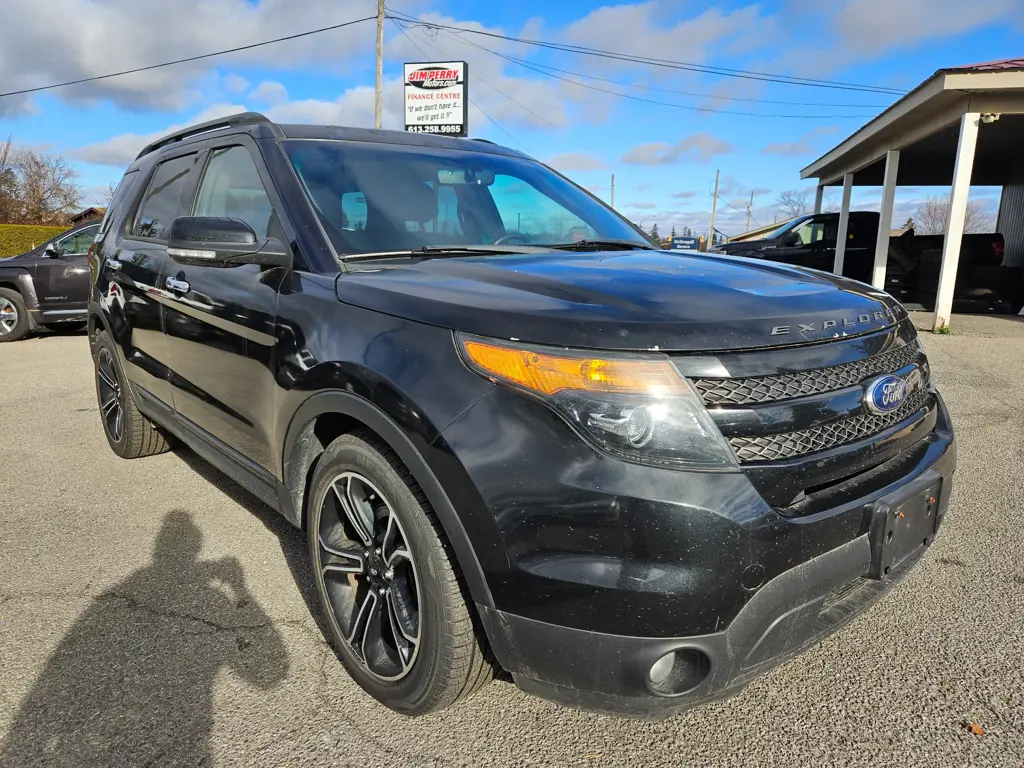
(628, 300)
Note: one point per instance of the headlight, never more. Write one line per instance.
(635, 407)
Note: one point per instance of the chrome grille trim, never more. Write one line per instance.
(788, 445)
(785, 386)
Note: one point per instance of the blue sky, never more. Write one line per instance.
(664, 158)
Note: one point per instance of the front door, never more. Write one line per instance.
(810, 244)
(62, 280)
(221, 320)
(138, 267)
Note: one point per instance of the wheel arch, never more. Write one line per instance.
(329, 414)
(20, 280)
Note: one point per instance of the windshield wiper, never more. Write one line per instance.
(442, 250)
(601, 245)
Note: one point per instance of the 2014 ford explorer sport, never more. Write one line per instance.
(518, 435)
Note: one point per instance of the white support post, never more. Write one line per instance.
(844, 224)
(818, 195)
(955, 218)
(892, 167)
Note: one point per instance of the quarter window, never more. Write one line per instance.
(232, 188)
(163, 199)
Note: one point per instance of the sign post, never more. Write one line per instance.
(437, 98)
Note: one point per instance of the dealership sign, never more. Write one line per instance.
(437, 98)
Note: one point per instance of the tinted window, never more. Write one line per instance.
(124, 188)
(162, 203)
(393, 197)
(78, 242)
(232, 187)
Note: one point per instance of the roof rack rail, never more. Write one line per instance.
(485, 141)
(242, 118)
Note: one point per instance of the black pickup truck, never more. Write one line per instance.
(47, 286)
(912, 271)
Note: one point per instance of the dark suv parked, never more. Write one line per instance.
(517, 435)
(47, 286)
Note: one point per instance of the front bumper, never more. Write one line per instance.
(795, 607)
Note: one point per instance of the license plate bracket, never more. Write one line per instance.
(903, 523)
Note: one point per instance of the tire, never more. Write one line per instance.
(13, 315)
(68, 327)
(364, 590)
(129, 434)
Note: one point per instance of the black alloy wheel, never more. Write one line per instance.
(368, 574)
(394, 605)
(108, 386)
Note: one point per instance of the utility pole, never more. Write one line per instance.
(378, 108)
(613, 190)
(750, 207)
(714, 203)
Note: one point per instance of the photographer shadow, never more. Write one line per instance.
(132, 682)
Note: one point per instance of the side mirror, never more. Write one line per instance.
(791, 239)
(219, 241)
(50, 251)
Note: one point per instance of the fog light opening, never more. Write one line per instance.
(678, 671)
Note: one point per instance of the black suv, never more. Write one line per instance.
(518, 435)
(47, 286)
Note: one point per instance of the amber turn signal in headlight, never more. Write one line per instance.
(635, 407)
(547, 373)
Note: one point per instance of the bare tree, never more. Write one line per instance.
(792, 203)
(108, 193)
(9, 207)
(931, 216)
(46, 186)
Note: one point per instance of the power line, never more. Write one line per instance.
(185, 60)
(661, 103)
(475, 76)
(426, 56)
(692, 93)
(722, 71)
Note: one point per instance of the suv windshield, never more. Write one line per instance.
(786, 227)
(384, 198)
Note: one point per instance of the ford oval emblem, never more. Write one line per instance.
(885, 394)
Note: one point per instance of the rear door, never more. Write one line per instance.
(62, 281)
(221, 320)
(138, 267)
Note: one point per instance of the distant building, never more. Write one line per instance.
(88, 214)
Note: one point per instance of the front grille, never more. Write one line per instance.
(787, 445)
(766, 389)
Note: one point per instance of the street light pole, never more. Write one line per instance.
(378, 98)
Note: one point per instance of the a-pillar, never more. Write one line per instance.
(955, 218)
(892, 168)
(844, 224)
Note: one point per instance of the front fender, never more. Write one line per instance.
(22, 280)
(301, 448)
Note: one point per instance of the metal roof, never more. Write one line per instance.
(987, 66)
(938, 102)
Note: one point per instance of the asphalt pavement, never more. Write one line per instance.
(153, 613)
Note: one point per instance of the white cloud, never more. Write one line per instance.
(76, 37)
(269, 92)
(684, 195)
(696, 148)
(235, 83)
(642, 205)
(576, 161)
(122, 149)
(804, 145)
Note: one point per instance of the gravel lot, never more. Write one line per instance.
(153, 613)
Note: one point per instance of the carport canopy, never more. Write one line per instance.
(963, 126)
